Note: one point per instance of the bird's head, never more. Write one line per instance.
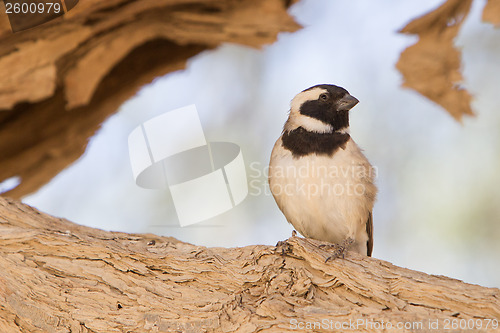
(322, 108)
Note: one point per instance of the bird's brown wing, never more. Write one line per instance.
(369, 231)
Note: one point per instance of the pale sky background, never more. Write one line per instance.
(438, 209)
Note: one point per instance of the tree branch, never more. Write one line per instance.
(62, 79)
(59, 276)
(432, 65)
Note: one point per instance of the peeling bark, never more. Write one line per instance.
(56, 276)
(62, 79)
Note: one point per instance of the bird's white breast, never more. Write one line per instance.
(325, 197)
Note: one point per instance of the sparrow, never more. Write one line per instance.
(318, 175)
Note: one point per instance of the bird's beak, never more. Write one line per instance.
(346, 103)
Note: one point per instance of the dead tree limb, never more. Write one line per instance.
(62, 79)
(56, 276)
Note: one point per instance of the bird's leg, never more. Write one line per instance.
(285, 248)
(341, 249)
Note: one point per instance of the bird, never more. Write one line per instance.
(319, 177)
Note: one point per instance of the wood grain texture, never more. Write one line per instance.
(56, 276)
(62, 79)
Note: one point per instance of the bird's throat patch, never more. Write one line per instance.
(301, 142)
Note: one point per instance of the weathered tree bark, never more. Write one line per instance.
(432, 66)
(56, 276)
(61, 80)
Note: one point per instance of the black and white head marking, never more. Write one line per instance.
(318, 121)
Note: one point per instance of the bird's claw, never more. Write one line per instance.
(340, 249)
(283, 247)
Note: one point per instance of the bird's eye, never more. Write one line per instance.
(323, 97)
